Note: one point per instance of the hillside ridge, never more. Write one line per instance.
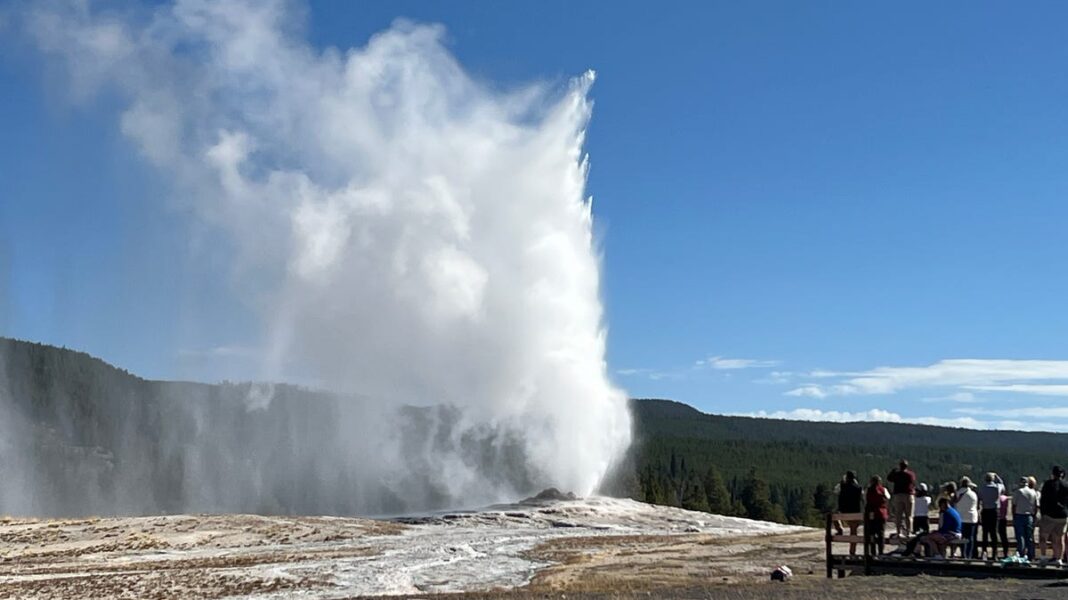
(81, 436)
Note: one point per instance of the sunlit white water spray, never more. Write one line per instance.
(411, 235)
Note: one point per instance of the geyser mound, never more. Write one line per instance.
(411, 237)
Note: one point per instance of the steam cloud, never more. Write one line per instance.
(409, 234)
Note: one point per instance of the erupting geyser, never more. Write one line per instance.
(411, 236)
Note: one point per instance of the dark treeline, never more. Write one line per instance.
(78, 436)
(786, 470)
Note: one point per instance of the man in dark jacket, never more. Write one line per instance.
(1053, 504)
(850, 500)
(903, 500)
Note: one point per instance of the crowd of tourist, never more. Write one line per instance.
(964, 510)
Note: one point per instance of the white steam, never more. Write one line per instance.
(410, 234)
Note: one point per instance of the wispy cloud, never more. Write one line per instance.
(958, 398)
(776, 378)
(816, 414)
(723, 363)
(654, 374)
(1031, 412)
(224, 351)
(808, 391)
(884, 416)
(714, 363)
(1051, 389)
(1048, 377)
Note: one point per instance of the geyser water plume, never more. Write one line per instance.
(409, 234)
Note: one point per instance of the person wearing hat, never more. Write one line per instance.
(967, 504)
(921, 514)
(990, 494)
(1024, 507)
(1053, 504)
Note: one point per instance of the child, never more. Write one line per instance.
(921, 514)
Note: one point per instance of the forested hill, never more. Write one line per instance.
(667, 417)
(682, 453)
(79, 436)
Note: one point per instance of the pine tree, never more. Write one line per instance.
(693, 497)
(777, 496)
(650, 491)
(823, 499)
(756, 498)
(719, 499)
(799, 509)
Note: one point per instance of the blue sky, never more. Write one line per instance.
(804, 208)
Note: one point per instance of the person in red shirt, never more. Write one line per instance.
(903, 502)
(876, 512)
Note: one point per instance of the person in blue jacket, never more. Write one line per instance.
(936, 542)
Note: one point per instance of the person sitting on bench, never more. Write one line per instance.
(948, 530)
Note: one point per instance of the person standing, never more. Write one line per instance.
(903, 501)
(876, 512)
(1003, 520)
(921, 517)
(851, 501)
(1053, 504)
(967, 505)
(990, 501)
(1024, 507)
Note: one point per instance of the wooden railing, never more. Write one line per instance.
(831, 538)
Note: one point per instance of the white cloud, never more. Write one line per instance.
(1024, 376)
(808, 391)
(1032, 412)
(728, 364)
(654, 374)
(226, 351)
(815, 414)
(1025, 388)
(776, 378)
(878, 415)
(958, 397)
(716, 363)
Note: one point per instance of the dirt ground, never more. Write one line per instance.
(277, 557)
(699, 567)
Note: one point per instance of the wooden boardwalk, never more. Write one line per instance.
(870, 563)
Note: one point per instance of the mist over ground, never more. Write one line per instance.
(407, 235)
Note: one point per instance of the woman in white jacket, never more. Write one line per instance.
(967, 504)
